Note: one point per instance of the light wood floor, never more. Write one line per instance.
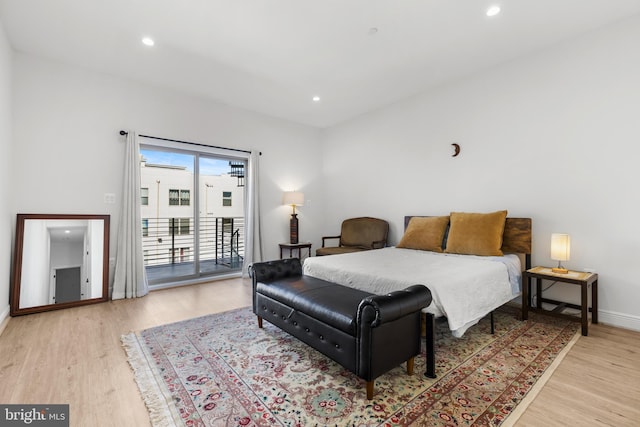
(75, 356)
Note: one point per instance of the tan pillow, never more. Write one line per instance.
(424, 233)
(476, 233)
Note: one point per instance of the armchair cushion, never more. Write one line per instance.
(335, 250)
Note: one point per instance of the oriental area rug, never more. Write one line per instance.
(222, 370)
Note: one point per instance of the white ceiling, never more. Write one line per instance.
(273, 56)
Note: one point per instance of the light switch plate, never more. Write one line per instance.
(109, 198)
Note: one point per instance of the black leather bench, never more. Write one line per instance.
(367, 334)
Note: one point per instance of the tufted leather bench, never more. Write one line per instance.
(367, 334)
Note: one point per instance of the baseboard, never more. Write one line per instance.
(4, 319)
(611, 318)
(619, 320)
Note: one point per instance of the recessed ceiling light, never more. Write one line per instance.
(148, 41)
(493, 10)
(316, 98)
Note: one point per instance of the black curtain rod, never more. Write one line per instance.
(124, 132)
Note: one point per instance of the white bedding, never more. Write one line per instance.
(464, 287)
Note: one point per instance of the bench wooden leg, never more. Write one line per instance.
(410, 366)
(370, 389)
(259, 322)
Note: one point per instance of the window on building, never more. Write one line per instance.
(145, 227)
(179, 197)
(174, 197)
(179, 226)
(184, 225)
(185, 196)
(226, 198)
(144, 196)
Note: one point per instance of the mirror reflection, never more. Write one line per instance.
(61, 261)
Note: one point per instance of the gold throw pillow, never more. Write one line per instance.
(476, 233)
(424, 233)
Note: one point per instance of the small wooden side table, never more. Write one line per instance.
(295, 246)
(584, 279)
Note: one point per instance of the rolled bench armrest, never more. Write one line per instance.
(378, 309)
(274, 270)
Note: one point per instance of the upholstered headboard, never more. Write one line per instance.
(515, 239)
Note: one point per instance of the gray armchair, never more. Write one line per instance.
(357, 234)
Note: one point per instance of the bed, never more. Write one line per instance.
(467, 282)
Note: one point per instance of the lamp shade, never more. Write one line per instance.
(293, 198)
(560, 247)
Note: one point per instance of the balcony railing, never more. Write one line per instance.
(170, 241)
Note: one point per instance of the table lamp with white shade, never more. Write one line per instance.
(560, 251)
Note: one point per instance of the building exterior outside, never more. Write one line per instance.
(169, 222)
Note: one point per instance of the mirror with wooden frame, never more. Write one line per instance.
(60, 261)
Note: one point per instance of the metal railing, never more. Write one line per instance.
(168, 241)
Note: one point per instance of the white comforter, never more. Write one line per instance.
(464, 287)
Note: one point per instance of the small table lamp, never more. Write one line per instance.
(293, 198)
(560, 251)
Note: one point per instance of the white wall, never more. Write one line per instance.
(68, 152)
(36, 263)
(554, 136)
(6, 183)
(96, 243)
(66, 254)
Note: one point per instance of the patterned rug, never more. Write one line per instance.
(222, 370)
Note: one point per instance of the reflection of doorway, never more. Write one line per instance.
(67, 284)
(70, 256)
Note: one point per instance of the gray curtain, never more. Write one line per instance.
(130, 279)
(253, 238)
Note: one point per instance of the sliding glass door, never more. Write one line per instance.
(192, 206)
(221, 237)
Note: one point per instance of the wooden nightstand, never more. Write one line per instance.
(584, 279)
(295, 246)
